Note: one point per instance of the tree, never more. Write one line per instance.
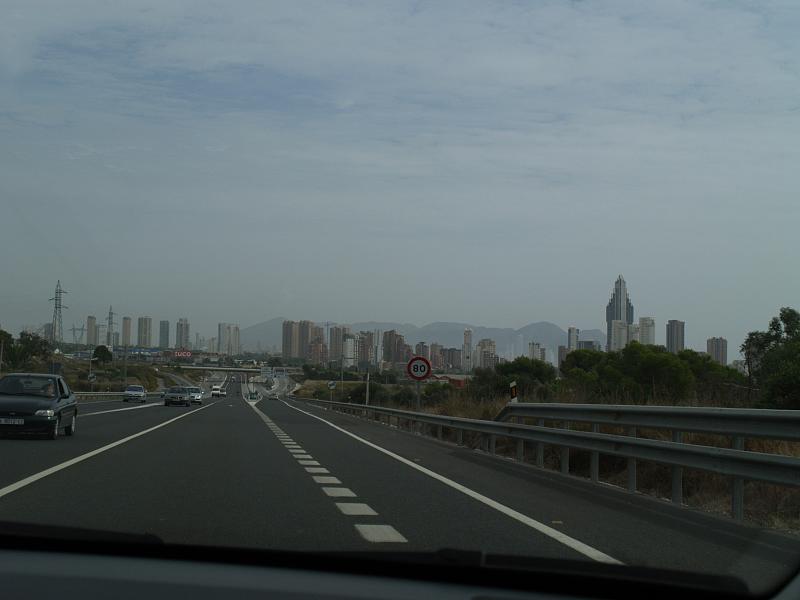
(274, 361)
(103, 355)
(773, 360)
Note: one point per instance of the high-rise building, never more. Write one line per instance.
(466, 351)
(304, 338)
(145, 332)
(366, 347)
(633, 333)
(126, 331)
(589, 345)
(619, 308)
(394, 344)
(535, 351)
(647, 331)
(422, 349)
(110, 327)
(91, 331)
(717, 348)
(436, 358)
(336, 340)
(572, 338)
(227, 339)
(163, 336)
(562, 355)
(619, 335)
(451, 358)
(485, 356)
(675, 330)
(115, 339)
(182, 333)
(212, 345)
(290, 339)
(350, 350)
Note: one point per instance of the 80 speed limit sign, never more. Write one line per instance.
(418, 368)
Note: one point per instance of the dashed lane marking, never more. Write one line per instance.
(356, 509)
(380, 533)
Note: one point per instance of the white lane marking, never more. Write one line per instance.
(73, 461)
(356, 509)
(310, 463)
(304, 456)
(326, 479)
(316, 470)
(339, 492)
(563, 538)
(297, 451)
(380, 534)
(105, 412)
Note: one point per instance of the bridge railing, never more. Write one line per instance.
(552, 427)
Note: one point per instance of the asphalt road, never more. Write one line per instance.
(283, 475)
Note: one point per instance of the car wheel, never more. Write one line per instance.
(53, 433)
(73, 424)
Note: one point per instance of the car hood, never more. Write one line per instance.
(24, 404)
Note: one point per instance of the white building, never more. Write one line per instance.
(572, 338)
(619, 335)
(647, 331)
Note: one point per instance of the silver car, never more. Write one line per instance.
(177, 395)
(196, 395)
(135, 393)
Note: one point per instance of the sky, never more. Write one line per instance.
(495, 163)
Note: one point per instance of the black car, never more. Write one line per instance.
(37, 403)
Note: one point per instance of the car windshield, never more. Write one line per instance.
(20, 385)
(515, 278)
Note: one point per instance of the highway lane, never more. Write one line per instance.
(279, 477)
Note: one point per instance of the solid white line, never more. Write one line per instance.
(326, 479)
(339, 492)
(105, 412)
(568, 541)
(355, 509)
(380, 534)
(73, 461)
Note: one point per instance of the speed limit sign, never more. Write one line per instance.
(418, 368)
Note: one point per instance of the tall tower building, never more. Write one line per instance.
(572, 338)
(126, 331)
(336, 341)
(619, 335)
(466, 351)
(647, 331)
(182, 333)
(675, 330)
(163, 335)
(619, 308)
(290, 339)
(304, 338)
(91, 331)
(110, 328)
(717, 348)
(145, 332)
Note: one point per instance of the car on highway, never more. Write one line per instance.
(216, 391)
(37, 403)
(196, 395)
(178, 395)
(135, 393)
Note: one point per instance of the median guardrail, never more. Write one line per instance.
(99, 396)
(736, 462)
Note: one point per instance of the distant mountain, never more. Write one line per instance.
(509, 341)
(269, 334)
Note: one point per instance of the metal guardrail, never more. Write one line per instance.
(110, 395)
(735, 462)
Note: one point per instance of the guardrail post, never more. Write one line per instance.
(492, 443)
(439, 431)
(677, 473)
(540, 447)
(520, 450)
(460, 437)
(737, 504)
(594, 467)
(565, 454)
(632, 465)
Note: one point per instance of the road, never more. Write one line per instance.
(284, 475)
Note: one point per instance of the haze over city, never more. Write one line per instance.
(217, 168)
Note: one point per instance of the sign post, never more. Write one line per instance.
(331, 387)
(418, 369)
(513, 387)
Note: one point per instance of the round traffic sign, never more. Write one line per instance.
(331, 385)
(418, 368)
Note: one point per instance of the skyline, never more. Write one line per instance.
(477, 162)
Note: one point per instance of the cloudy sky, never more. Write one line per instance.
(496, 163)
